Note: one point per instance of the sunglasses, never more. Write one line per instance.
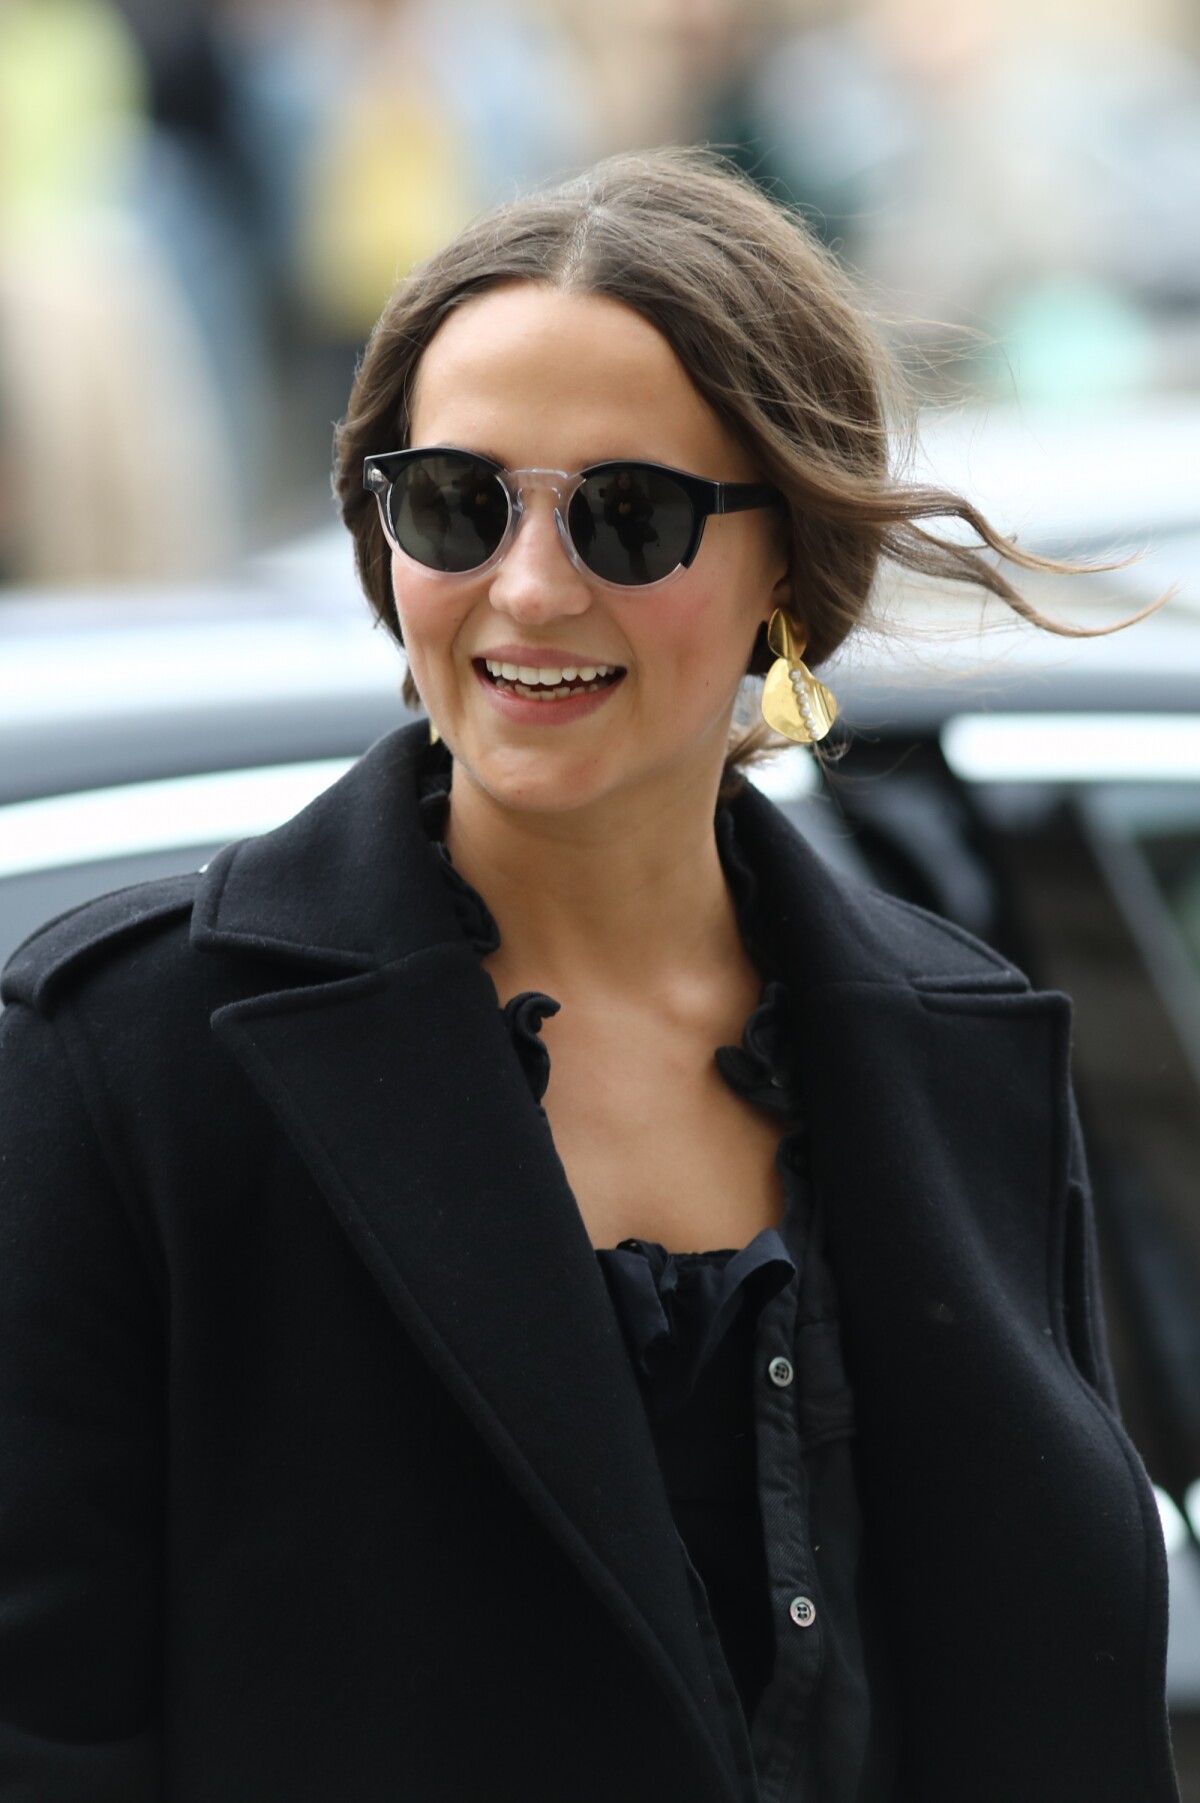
(629, 525)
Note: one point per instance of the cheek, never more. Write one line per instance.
(429, 615)
(699, 631)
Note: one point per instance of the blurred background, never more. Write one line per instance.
(203, 208)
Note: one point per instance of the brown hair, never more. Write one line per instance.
(773, 337)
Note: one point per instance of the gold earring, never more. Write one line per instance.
(434, 734)
(794, 703)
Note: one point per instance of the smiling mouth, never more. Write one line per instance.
(542, 683)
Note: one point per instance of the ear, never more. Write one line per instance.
(782, 594)
(782, 591)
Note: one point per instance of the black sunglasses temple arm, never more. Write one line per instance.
(739, 497)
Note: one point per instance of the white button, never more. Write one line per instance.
(802, 1611)
(780, 1373)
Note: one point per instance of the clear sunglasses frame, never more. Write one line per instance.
(705, 497)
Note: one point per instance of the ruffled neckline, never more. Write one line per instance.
(474, 916)
(761, 1069)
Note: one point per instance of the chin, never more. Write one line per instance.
(539, 780)
(547, 782)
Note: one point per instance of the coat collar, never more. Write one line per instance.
(348, 885)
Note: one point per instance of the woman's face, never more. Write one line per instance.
(539, 379)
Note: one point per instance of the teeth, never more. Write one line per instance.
(546, 674)
(528, 694)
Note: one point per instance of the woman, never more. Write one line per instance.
(430, 1372)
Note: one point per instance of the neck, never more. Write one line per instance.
(629, 896)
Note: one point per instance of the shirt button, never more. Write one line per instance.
(802, 1611)
(780, 1373)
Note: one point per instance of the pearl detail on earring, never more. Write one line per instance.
(805, 706)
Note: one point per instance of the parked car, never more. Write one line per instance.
(1042, 792)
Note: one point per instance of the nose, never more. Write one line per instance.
(535, 580)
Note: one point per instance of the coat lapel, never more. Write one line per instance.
(398, 1084)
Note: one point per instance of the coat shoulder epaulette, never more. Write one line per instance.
(65, 945)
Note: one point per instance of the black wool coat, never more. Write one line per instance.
(324, 1476)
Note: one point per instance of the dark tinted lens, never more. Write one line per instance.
(631, 523)
(448, 511)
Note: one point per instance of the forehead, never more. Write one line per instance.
(538, 377)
